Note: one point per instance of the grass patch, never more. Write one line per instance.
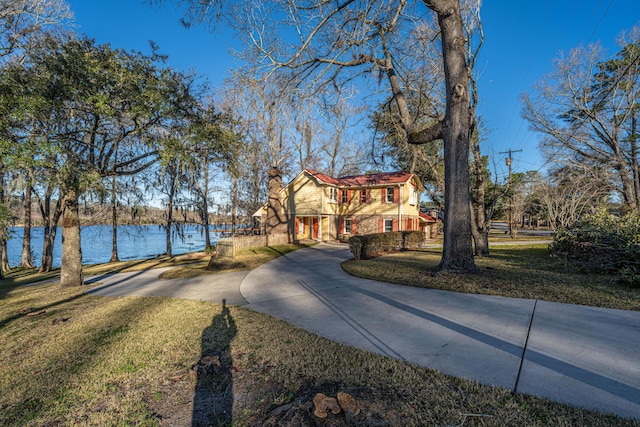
(247, 259)
(512, 271)
(67, 358)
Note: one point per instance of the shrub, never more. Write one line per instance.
(373, 245)
(603, 243)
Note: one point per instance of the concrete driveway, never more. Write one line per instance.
(583, 356)
(214, 287)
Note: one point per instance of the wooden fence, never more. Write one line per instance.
(228, 246)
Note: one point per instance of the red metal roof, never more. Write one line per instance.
(427, 217)
(324, 178)
(363, 180)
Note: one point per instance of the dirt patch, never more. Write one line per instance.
(202, 398)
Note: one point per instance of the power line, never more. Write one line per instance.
(600, 21)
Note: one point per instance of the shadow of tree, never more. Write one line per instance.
(213, 400)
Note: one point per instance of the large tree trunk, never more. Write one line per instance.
(479, 231)
(457, 253)
(276, 222)
(50, 225)
(479, 221)
(47, 248)
(50, 222)
(26, 236)
(4, 256)
(71, 271)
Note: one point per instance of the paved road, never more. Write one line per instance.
(583, 356)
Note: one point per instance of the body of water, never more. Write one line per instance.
(134, 242)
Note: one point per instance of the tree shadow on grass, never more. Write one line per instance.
(213, 401)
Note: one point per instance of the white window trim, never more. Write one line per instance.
(364, 192)
(347, 229)
(333, 195)
(413, 198)
(344, 197)
(390, 222)
(393, 191)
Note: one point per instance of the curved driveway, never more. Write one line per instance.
(584, 356)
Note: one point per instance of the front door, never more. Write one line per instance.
(315, 228)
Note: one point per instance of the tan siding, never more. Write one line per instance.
(301, 196)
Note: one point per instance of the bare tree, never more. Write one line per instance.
(23, 21)
(586, 109)
(303, 130)
(341, 153)
(570, 193)
(262, 109)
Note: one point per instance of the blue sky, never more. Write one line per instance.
(521, 40)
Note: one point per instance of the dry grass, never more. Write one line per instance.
(513, 271)
(247, 259)
(67, 358)
(72, 359)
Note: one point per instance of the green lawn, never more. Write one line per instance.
(512, 271)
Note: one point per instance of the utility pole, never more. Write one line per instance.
(510, 152)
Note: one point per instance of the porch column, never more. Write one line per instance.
(320, 227)
(400, 199)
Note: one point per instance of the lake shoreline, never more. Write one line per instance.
(134, 242)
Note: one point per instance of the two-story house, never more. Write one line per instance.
(320, 207)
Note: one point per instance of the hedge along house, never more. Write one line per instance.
(320, 207)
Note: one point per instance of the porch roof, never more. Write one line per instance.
(427, 218)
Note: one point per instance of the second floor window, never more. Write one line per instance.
(364, 195)
(345, 197)
(414, 197)
(333, 195)
(391, 192)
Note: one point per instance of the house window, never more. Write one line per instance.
(388, 225)
(391, 194)
(344, 197)
(347, 225)
(333, 195)
(364, 195)
(413, 198)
